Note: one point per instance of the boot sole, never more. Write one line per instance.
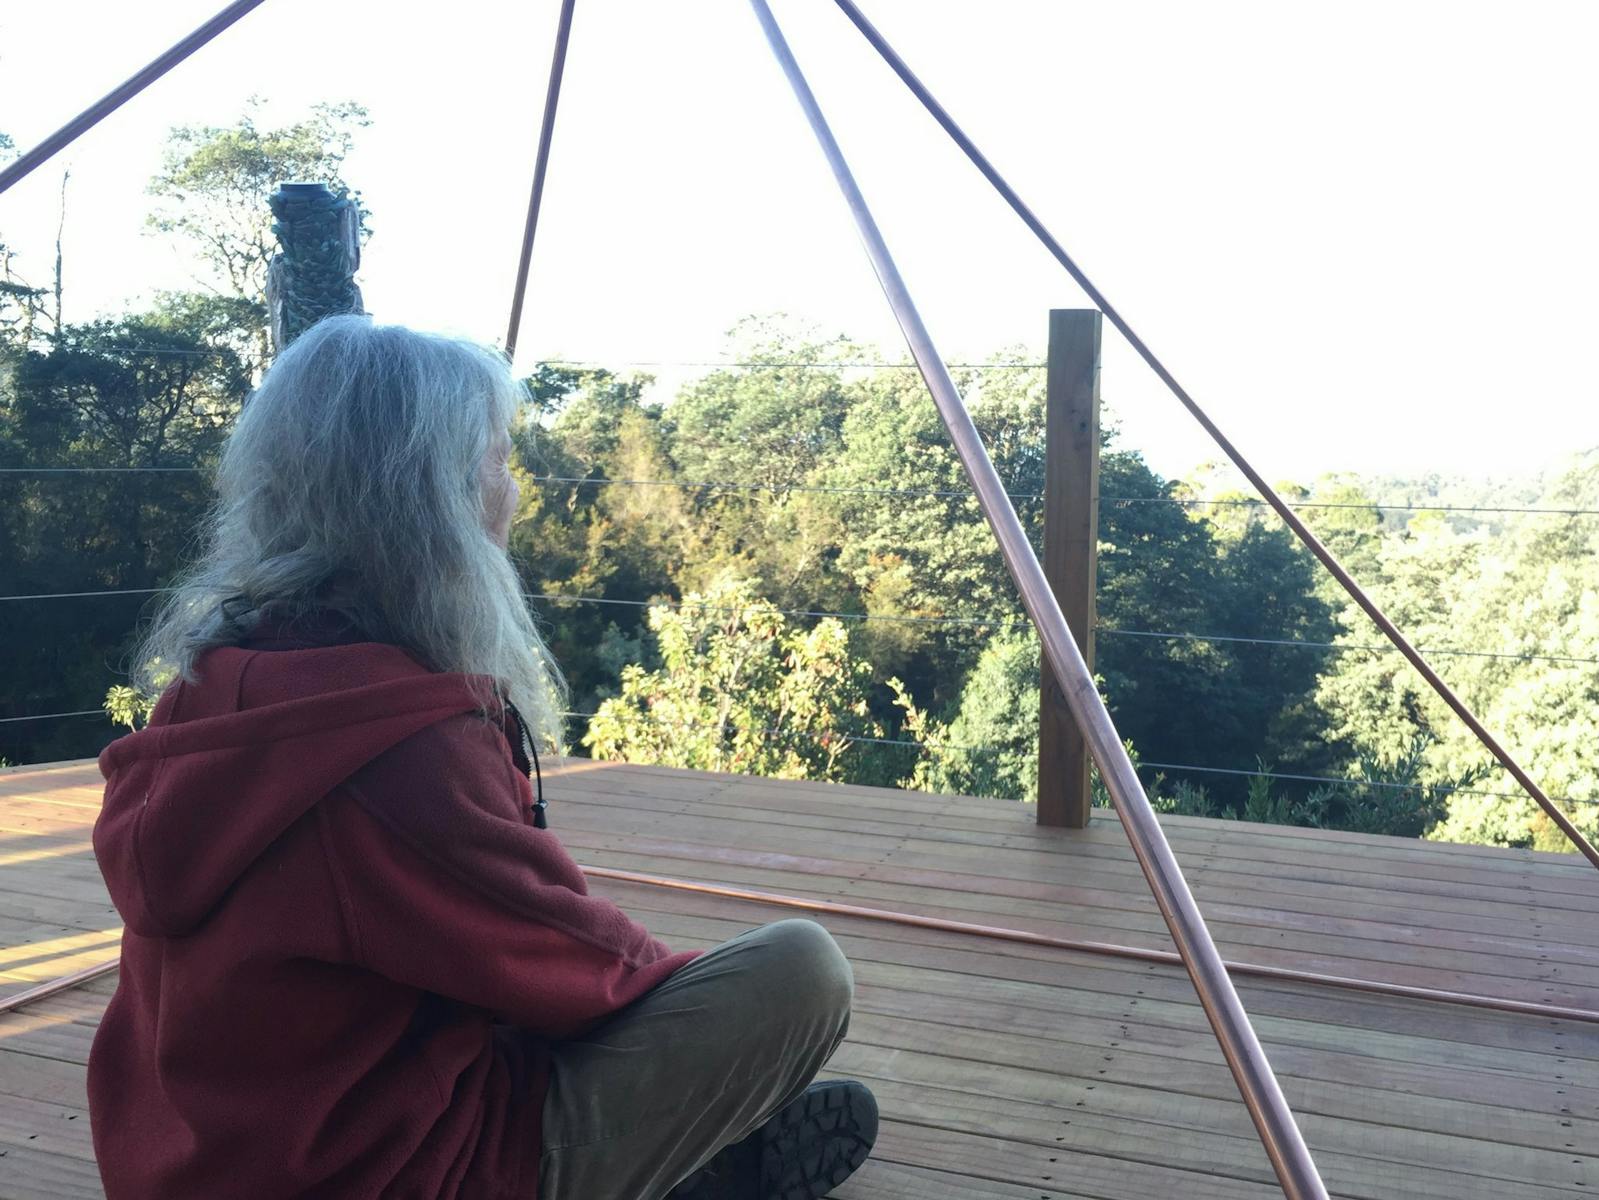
(817, 1142)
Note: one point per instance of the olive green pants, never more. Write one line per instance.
(651, 1095)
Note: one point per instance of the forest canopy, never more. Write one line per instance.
(780, 569)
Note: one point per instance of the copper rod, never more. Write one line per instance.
(1110, 949)
(1267, 492)
(53, 986)
(1138, 953)
(116, 98)
(1246, 1059)
(535, 201)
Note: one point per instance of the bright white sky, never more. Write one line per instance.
(1363, 234)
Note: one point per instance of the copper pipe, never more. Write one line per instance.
(1274, 1121)
(119, 96)
(1138, 953)
(1291, 518)
(552, 97)
(50, 988)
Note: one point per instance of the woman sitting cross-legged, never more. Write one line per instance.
(356, 962)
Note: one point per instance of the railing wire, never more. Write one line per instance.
(974, 623)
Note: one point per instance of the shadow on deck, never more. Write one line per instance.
(1008, 1071)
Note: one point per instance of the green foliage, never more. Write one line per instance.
(771, 423)
(929, 554)
(1531, 589)
(969, 693)
(739, 690)
(152, 390)
(1353, 530)
(990, 748)
(1181, 797)
(583, 539)
(21, 304)
(1389, 793)
(141, 392)
(773, 420)
(129, 706)
(834, 488)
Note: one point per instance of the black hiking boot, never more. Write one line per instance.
(802, 1152)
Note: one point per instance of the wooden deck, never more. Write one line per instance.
(1007, 1071)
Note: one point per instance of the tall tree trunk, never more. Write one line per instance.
(61, 227)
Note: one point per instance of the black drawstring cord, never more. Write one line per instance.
(540, 821)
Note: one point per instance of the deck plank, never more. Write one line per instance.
(1009, 1071)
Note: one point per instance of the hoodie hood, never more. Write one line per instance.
(227, 764)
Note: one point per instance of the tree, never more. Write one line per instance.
(150, 391)
(22, 306)
(1351, 526)
(1159, 574)
(909, 544)
(147, 390)
(756, 432)
(1388, 794)
(1271, 591)
(617, 543)
(990, 747)
(738, 689)
(773, 418)
(1512, 620)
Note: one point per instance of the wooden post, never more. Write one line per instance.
(314, 275)
(1071, 542)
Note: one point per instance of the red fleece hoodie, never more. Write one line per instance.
(346, 943)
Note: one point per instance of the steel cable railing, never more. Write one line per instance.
(778, 364)
(938, 747)
(104, 471)
(85, 712)
(598, 364)
(1343, 781)
(822, 489)
(1222, 502)
(979, 626)
(973, 623)
(1266, 491)
(1383, 506)
(1336, 647)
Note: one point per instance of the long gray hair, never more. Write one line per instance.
(351, 484)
